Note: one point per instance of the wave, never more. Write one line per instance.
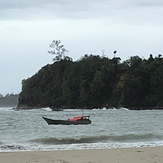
(136, 137)
(123, 109)
(83, 142)
(97, 139)
(10, 147)
(46, 109)
(6, 109)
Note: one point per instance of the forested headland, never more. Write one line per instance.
(96, 82)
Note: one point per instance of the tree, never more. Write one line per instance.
(114, 52)
(59, 51)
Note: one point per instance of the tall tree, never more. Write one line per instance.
(59, 51)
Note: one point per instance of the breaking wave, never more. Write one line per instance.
(8, 147)
(97, 139)
(46, 109)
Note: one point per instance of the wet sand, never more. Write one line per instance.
(126, 155)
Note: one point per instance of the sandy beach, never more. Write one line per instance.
(127, 155)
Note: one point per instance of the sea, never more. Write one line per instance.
(26, 130)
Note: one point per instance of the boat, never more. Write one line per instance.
(77, 120)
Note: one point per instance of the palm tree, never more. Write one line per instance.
(114, 52)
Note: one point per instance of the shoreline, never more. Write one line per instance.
(18, 108)
(116, 155)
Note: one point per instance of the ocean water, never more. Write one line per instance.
(25, 130)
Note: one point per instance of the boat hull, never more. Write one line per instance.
(66, 122)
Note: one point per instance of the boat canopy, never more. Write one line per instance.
(75, 118)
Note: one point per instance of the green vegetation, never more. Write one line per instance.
(9, 100)
(96, 82)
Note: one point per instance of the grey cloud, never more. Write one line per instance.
(77, 4)
(8, 4)
(116, 10)
(148, 3)
(54, 8)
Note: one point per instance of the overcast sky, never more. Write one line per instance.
(27, 27)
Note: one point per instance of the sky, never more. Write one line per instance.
(27, 28)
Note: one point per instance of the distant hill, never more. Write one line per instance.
(96, 82)
(9, 100)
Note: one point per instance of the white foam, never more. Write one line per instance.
(46, 109)
(6, 109)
